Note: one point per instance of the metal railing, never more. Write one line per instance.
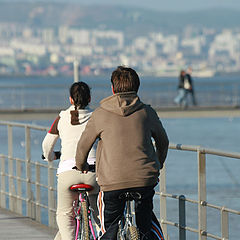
(22, 187)
(25, 189)
(202, 203)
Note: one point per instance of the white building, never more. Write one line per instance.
(107, 38)
(225, 43)
(28, 47)
(6, 51)
(194, 43)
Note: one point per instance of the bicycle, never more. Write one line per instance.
(84, 226)
(127, 229)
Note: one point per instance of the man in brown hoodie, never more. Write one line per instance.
(126, 159)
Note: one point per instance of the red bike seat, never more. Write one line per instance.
(81, 187)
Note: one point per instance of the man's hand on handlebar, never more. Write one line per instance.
(84, 171)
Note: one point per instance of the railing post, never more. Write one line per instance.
(163, 201)
(182, 218)
(202, 195)
(28, 171)
(224, 224)
(38, 194)
(51, 201)
(12, 192)
(19, 187)
(3, 184)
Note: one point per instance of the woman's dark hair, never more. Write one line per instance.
(182, 73)
(80, 93)
(125, 79)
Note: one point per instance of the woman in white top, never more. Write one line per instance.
(68, 126)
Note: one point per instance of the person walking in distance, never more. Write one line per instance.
(126, 159)
(180, 99)
(188, 86)
(69, 126)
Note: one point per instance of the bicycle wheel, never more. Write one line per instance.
(85, 235)
(132, 233)
(119, 235)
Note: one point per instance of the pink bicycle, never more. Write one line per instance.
(84, 226)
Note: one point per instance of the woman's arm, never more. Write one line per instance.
(50, 141)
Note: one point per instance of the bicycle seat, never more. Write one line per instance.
(81, 187)
(130, 196)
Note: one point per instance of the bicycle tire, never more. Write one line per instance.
(119, 236)
(132, 233)
(85, 235)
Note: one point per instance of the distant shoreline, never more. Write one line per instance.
(170, 74)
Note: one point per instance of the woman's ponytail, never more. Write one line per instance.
(80, 94)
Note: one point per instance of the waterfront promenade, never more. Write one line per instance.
(17, 227)
(164, 112)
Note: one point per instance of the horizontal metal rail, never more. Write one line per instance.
(24, 125)
(24, 179)
(204, 150)
(179, 197)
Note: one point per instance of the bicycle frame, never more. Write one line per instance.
(83, 198)
(126, 221)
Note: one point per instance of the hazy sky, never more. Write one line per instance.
(174, 5)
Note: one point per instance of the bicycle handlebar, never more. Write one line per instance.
(56, 153)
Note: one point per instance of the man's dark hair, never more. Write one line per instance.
(80, 93)
(125, 79)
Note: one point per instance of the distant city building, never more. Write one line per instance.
(52, 51)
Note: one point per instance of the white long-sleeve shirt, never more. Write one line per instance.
(68, 126)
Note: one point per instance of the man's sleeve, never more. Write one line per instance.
(50, 141)
(161, 139)
(85, 144)
(189, 77)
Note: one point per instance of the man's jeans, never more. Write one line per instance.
(181, 97)
(111, 209)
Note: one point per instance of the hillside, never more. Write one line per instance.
(131, 21)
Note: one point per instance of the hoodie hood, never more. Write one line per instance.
(79, 116)
(122, 104)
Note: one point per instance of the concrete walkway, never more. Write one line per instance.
(163, 112)
(16, 227)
